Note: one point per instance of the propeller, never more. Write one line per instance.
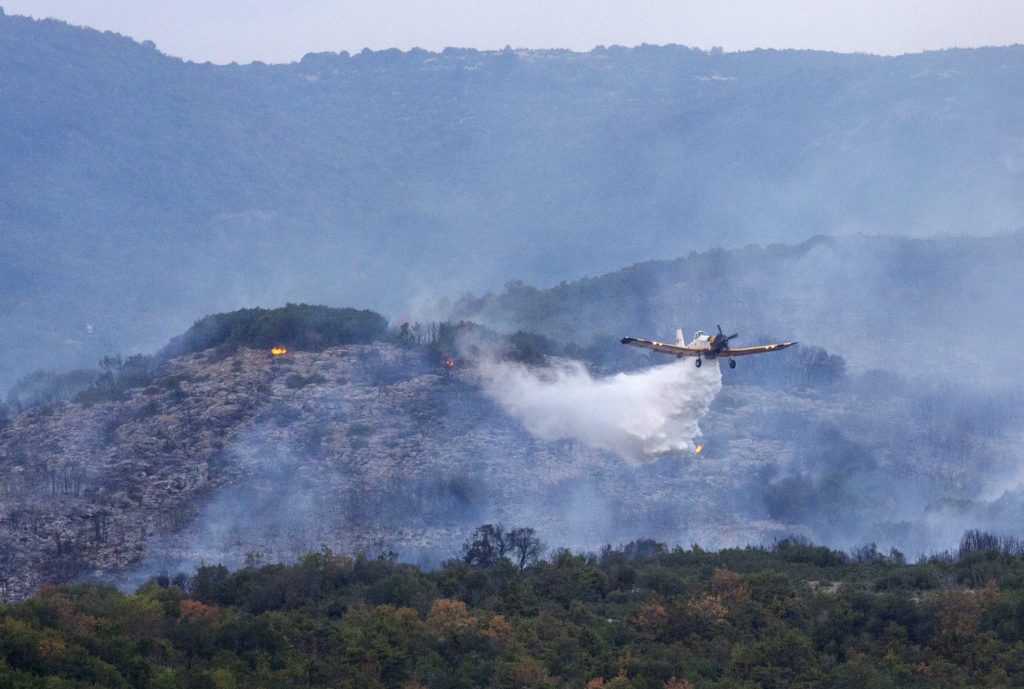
(722, 337)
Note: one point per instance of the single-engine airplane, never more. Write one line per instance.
(704, 346)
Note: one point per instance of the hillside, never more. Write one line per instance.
(222, 453)
(917, 308)
(140, 190)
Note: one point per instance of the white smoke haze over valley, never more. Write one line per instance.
(635, 415)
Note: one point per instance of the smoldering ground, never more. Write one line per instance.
(396, 453)
(393, 452)
(901, 465)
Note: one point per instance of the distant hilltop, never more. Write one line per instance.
(140, 189)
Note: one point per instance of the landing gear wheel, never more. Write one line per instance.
(732, 363)
(698, 362)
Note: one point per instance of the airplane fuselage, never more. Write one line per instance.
(704, 346)
(708, 345)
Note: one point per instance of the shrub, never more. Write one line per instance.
(297, 382)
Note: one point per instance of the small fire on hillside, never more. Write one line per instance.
(278, 351)
(448, 363)
(700, 448)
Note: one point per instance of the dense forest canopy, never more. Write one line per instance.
(640, 616)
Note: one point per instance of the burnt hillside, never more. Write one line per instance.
(228, 452)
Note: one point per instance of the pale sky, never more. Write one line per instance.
(278, 31)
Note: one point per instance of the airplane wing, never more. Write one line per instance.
(743, 351)
(663, 347)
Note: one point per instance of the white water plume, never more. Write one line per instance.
(635, 415)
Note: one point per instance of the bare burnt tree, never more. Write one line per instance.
(486, 547)
(66, 562)
(6, 568)
(36, 521)
(68, 478)
(975, 541)
(492, 543)
(99, 525)
(526, 548)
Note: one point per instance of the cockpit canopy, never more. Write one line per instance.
(700, 335)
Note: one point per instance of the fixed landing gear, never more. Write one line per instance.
(698, 362)
(732, 363)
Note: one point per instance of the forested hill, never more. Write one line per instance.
(943, 307)
(139, 190)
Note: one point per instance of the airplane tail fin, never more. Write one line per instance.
(680, 340)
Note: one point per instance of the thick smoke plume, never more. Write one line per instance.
(634, 415)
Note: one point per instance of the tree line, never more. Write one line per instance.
(499, 615)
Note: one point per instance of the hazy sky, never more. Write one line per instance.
(279, 31)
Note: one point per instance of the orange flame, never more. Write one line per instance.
(448, 363)
(278, 351)
(700, 448)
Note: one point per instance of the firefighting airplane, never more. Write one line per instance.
(704, 346)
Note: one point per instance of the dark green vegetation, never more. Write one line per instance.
(139, 190)
(295, 326)
(796, 615)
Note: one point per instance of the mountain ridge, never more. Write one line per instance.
(896, 304)
(143, 190)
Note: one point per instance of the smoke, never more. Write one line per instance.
(634, 415)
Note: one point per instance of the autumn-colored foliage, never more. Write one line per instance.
(729, 585)
(651, 619)
(449, 616)
(195, 610)
(498, 629)
(658, 619)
